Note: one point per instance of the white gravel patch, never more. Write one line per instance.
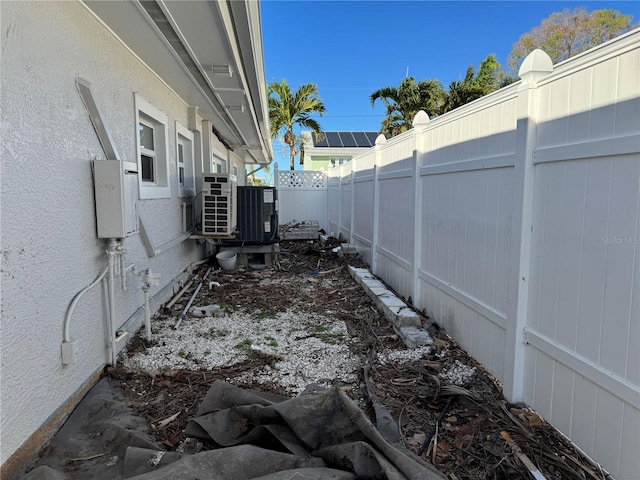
(306, 347)
(458, 374)
(403, 356)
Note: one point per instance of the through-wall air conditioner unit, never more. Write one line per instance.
(219, 192)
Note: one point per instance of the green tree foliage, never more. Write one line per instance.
(288, 110)
(403, 102)
(568, 33)
(474, 85)
(253, 179)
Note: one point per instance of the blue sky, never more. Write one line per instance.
(352, 48)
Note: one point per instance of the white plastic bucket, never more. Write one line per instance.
(227, 259)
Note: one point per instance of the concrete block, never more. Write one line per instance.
(391, 301)
(415, 337)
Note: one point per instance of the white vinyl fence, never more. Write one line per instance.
(514, 223)
(302, 195)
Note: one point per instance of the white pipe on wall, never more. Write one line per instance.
(123, 268)
(112, 251)
(148, 280)
(67, 319)
(147, 312)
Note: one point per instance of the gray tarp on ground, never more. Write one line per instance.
(322, 436)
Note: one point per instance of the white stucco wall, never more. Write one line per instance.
(49, 247)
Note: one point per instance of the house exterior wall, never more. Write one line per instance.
(514, 221)
(49, 247)
(323, 162)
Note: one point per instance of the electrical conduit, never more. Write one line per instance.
(112, 251)
(67, 319)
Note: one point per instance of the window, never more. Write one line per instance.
(339, 160)
(218, 162)
(185, 162)
(153, 159)
(147, 151)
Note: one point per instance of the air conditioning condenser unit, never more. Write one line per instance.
(219, 193)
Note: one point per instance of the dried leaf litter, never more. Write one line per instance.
(304, 324)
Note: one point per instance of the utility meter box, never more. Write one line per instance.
(116, 192)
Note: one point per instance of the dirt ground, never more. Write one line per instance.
(461, 430)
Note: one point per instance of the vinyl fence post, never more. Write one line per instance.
(276, 177)
(420, 123)
(353, 201)
(536, 66)
(380, 142)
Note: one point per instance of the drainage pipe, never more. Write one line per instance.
(186, 309)
(123, 268)
(72, 305)
(147, 310)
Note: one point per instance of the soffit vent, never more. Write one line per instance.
(221, 70)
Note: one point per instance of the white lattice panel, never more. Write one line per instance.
(302, 179)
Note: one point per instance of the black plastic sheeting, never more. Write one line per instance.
(320, 436)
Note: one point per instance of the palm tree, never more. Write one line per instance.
(404, 102)
(473, 86)
(287, 110)
(251, 174)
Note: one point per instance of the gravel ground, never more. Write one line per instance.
(305, 322)
(303, 347)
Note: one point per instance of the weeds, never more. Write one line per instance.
(244, 345)
(266, 314)
(324, 333)
(214, 333)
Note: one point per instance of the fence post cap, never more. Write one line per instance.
(381, 140)
(421, 119)
(536, 65)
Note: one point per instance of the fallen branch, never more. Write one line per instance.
(178, 295)
(166, 421)
(434, 431)
(522, 457)
(342, 289)
(90, 457)
(327, 272)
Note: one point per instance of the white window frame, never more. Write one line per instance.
(185, 138)
(218, 162)
(150, 116)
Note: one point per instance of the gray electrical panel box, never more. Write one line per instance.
(116, 192)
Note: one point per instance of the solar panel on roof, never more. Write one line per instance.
(319, 140)
(345, 139)
(361, 139)
(348, 140)
(372, 137)
(333, 138)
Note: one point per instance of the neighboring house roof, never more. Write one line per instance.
(209, 53)
(338, 144)
(345, 139)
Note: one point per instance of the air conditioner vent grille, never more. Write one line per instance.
(218, 205)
